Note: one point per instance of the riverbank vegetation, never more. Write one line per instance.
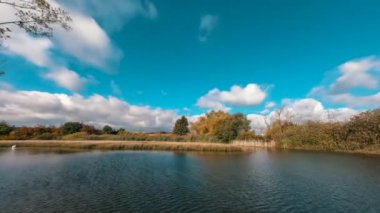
(216, 126)
(123, 145)
(361, 132)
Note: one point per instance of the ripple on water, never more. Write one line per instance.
(167, 182)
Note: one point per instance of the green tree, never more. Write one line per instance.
(242, 123)
(5, 128)
(181, 126)
(108, 130)
(227, 130)
(71, 127)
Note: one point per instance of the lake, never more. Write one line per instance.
(132, 181)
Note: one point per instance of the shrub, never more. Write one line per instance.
(45, 136)
(364, 128)
(75, 136)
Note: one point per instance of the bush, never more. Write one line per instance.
(360, 132)
(76, 136)
(45, 136)
(364, 129)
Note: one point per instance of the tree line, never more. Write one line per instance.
(360, 132)
(215, 126)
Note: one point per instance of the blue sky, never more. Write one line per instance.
(168, 55)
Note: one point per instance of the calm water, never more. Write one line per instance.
(35, 181)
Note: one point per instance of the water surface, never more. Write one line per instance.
(263, 181)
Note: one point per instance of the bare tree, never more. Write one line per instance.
(284, 117)
(36, 17)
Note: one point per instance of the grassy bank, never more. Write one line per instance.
(125, 145)
(371, 150)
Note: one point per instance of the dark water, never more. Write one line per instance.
(263, 181)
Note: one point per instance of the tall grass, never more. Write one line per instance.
(126, 145)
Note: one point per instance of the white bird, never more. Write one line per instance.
(13, 147)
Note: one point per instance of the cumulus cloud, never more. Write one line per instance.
(355, 100)
(67, 79)
(34, 107)
(300, 111)
(207, 25)
(356, 73)
(35, 50)
(362, 74)
(258, 122)
(311, 109)
(251, 95)
(88, 42)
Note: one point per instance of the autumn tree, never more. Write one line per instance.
(224, 126)
(181, 126)
(206, 125)
(364, 128)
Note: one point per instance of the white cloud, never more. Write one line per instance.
(34, 107)
(251, 95)
(362, 74)
(194, 118)
(268, 107)
(258, 122)
(88, 42)
(35, 50)
(355, 101)
(300, 111)
(310, 109)
(206, 26)
(356, 73)
(67, 79)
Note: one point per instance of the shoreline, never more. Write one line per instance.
(162, 146)
(125, 145)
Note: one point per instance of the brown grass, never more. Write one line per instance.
(125, 145)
